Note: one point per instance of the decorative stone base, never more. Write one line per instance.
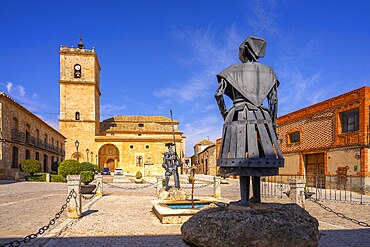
(273, 225)
(172, 194)
(176, 216)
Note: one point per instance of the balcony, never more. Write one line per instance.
(16, 135)
(31, 140)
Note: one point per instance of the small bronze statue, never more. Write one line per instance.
(249, 140)
(170, 163)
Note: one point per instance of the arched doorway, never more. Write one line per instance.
(108, 157)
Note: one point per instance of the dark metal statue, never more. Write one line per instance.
(170, 163)
(249, 140)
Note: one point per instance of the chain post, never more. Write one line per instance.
(74, 204)
(216, 187)
(99, 185)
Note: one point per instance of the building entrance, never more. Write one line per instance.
(108, 157)
(315, 169)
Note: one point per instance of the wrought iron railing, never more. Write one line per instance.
(17, 135)
(351, 189)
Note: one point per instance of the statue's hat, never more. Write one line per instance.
(253, 47)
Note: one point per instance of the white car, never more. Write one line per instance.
(118, 171)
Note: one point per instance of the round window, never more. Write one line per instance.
(147, 146)
(131, 146)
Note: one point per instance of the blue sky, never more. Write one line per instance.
(162, 55)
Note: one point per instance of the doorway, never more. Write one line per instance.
(315, 169)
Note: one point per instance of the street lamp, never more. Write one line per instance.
(77, 144)
(87, 154)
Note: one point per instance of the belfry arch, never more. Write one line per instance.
(108, 157)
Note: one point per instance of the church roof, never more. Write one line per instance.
(205, 142)
(141, 119)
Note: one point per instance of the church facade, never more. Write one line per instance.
(133, 143)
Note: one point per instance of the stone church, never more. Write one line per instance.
(133, 143)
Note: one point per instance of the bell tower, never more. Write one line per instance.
(79, 99)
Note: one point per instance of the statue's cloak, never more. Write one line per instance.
(252, 80)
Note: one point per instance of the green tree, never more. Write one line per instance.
(31, 166)
(69, 167)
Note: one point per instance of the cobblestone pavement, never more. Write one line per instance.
(123, 217)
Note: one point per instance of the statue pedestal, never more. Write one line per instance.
(172, 194)
(262, 224)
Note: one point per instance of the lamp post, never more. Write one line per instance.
(87, 154)
(77, 144)
(91, 157)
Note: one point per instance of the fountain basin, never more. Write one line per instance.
(177, 212)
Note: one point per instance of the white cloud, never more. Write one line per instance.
(15, 91)
(209, 55)
(111, 109)
(207, 127)
(264, 17)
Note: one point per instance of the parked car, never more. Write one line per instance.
(118, 171)
(105, 171)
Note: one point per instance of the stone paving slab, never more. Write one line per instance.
(124, 218)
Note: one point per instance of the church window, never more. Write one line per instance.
(141, 125)
(37, 156)
(147, 146)
(77, 115)
(28, 154)
(131, 146)
(139, 134)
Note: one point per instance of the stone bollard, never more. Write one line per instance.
(296, 193)
(216, 187)
(159, 185)
(16, 176)
(47, 179)
(74, 209)
(99, 185)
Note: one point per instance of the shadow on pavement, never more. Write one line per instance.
(142, 241)
(87, 212)
(9, 182)
(345, 237)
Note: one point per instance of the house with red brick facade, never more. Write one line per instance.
(319, 139)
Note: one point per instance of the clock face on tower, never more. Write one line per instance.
(77, 73)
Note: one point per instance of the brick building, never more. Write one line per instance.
(204, 157)
(127, 142)
(25, 136)
(318, 139)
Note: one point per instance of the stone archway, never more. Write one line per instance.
(108, 157)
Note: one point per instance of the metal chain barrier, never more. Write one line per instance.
(42, 230)
(130, 188)
(93, 193)
(340, 215)
(200, 186)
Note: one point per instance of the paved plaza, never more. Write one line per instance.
(123, 216)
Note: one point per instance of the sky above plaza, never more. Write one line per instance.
(165, 54)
